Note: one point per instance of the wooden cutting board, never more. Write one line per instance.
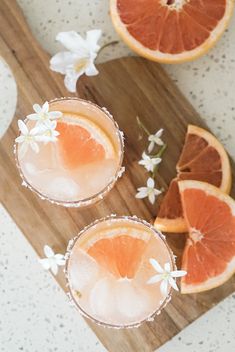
(127, 87)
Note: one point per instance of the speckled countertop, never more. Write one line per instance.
(34, 313)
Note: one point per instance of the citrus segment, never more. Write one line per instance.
(209, 254)
(82, 142)
(120, 255)
(170, 30)
(203, 158)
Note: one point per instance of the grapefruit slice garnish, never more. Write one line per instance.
(120, 255)
(203, 158)
(209, 254)
(82, 142)
(171, 31)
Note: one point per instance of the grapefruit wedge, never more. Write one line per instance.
(203, 158)
(120, 255)
(209, 254)
(170, 31)
(82, 142)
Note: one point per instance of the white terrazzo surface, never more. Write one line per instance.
(34, 314)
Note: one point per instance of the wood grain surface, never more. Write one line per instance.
(127, 87)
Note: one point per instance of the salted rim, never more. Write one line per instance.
(96, 197)
(72, 243)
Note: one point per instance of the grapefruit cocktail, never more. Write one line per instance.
(109, 271)
(69, 152)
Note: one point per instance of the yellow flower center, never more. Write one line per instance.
(80, 64)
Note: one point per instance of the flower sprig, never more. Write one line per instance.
(79, 57)
(151, 162)
(44, 129)
(52, 260)
(165, 275)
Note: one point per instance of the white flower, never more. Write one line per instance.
(165, 275)
(52, 260)
(155, 139)
(42, 113)
(148, 191)
(28, 138)
(79, 58)
(148, 162)
(49, 133)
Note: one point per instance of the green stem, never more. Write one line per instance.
(141, 125)
(108, 44)
(158, 155)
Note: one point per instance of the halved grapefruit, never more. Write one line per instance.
(203, 158)
(82, 142)
(171, 31)
(209, 254)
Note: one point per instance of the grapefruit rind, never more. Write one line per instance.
(230, 269)
(171, 225)
(156, 55)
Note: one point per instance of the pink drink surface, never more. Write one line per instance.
(108, 270)
(84, 159)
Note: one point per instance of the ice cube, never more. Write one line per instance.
(102, 301)
(83, 270)
(63, 188)
(132, 302)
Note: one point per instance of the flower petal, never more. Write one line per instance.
(142, 193)
(54, 268)
(22, 127)
(159, 141)
(173, 283)
(154, 279)
(157, 192)
(37, 108)
(151, 197)
(34, 131)
(55, 114)
(70, 81)
(159, 133)
(34, 146)
(92, 37)
(150, 147)
(45, 107)
(91, 70)
(164, 287)
(72, 41)
(23, 149)
(61, 61)
(156, 265)
(178, 273)
(156, 161)
(167, 267)
(45, 263)
(20, 139)
(48, 251)
(33, 117)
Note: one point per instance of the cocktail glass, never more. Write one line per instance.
(108, 269)
(85, 161)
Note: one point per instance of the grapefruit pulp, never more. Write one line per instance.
(171, 31)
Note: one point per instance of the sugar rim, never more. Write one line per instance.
(96, 197)
(72, 243)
